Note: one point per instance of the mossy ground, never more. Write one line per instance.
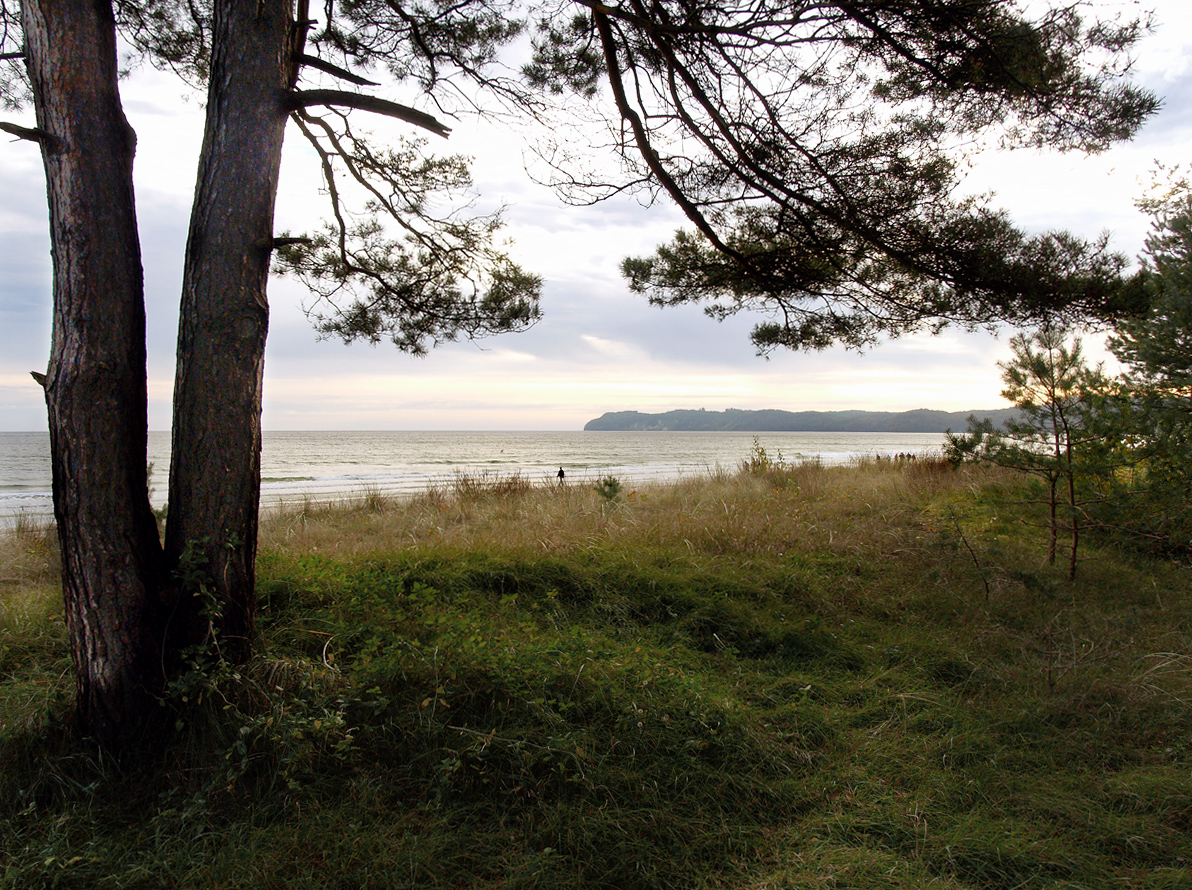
(858, 676)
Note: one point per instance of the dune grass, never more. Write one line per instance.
(795, 676)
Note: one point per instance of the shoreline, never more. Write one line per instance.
(327, 467)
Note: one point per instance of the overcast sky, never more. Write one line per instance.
(598, 348)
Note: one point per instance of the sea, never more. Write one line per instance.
(329, 466)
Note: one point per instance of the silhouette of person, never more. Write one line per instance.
(561, 474)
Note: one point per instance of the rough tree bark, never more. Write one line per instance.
(96, 382)
(215, 464)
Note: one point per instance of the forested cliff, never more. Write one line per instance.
(735, 420)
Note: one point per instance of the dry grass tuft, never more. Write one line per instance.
(30, 570)
(851, 509)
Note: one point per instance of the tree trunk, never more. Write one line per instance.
(1054, 524)
(96, 383)
(1070, 472)
(215, 466)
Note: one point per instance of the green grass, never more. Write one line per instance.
(795, 677)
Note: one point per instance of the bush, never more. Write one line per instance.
(608, 488)
(759, 461)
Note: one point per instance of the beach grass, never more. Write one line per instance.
(784, 676)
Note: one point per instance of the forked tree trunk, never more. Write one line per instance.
(95, 385)
(215, 465)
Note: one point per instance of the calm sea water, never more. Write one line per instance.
(330, 465)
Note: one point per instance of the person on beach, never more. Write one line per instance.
(561, 475)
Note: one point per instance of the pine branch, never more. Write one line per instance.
(341, 73)
(286, 242)
(31, 133)
(307, 98)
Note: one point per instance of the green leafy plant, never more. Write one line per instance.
(760, 461)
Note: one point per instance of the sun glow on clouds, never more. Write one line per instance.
(482, 390)
(611, 348)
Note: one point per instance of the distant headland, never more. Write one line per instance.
(922, 420)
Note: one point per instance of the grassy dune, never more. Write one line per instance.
(860, 677)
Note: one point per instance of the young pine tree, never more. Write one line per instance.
(1053, 387)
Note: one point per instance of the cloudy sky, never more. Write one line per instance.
(598, 348)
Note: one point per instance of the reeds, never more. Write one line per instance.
(804, 505)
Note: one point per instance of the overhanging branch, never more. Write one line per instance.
(642, 139)
(306, 98)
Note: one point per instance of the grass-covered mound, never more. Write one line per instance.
(798, 677)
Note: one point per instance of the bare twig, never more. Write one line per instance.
(972, 553)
